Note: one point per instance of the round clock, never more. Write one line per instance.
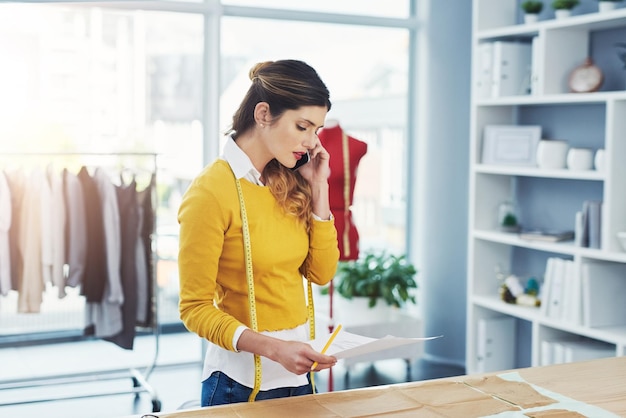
(585, 78)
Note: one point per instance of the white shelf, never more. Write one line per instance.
(553, 99)
(566, 247)
(542, 173)
(544, 197)
(589, 22)
(613, 335)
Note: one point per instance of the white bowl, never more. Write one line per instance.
(621, 236)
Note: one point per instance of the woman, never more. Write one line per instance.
(259, 344)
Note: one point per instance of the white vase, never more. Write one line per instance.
(580, 159)
(552, 154)
(606, 6)
(531, 18)
(562, 13)
(599, 160)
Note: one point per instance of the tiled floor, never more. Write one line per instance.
(176, 379)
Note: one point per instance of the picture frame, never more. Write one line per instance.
(510, 145)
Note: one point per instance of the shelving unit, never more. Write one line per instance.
(545, 198)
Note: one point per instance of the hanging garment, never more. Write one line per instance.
(56, 212)
(129, 219)
(17, 184)
(31, 283)
(5, 226)
(146, 200)
(112, 235)
(95, 271)
(75, 229)
(106, 315)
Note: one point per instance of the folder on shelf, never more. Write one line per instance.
(572, 301)
(556, 288)
(511, 69)
(603, 290)
(572, 349)
(587, 350)
(483, 70)
(545, 293)
(535, 65)
(495, 344)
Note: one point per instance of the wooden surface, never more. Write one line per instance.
(598, 382)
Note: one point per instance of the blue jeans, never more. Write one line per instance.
(219, 389)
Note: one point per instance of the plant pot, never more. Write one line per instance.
(356, 311)
(606, 6)
(531, 18)
(562, 13)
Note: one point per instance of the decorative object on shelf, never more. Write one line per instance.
(621, 236)
(507, 217)
(563, 8)
(552, 154)
(547, 235)
(585, 78)
(510, 144)
(512, 291)
(599, 160)
(377, 276)
(531, 10)
(580, 159)
(607, 5)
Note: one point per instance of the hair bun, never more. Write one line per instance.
(257, 68)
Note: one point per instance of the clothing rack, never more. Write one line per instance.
(138, 377)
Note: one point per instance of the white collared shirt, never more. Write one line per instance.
(240, 163)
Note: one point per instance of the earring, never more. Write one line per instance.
(262, 126)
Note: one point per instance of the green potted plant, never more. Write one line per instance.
(531, 10)
(607, 5)
(563, 8)
(377, 276)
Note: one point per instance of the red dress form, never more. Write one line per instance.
(341, 183)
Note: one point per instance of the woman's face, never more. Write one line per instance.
(294, 133)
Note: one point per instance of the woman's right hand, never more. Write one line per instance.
(295, 356)
(299, 358)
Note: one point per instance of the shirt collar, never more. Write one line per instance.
(240, 162)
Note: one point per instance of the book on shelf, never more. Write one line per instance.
(595, 222)
(561, 293)
(547, 235)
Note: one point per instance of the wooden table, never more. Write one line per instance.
(593, 384)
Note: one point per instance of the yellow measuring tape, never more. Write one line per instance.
(346, 195)
(252, 300)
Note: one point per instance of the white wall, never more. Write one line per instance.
(441, 187)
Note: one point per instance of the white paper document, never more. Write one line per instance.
(346, 344)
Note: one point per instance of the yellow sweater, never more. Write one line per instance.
(213, 286)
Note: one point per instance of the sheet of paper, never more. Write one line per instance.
(563, 402)
(347, 344)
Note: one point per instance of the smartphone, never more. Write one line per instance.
(302, 161)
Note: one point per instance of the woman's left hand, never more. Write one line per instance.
(318, 170)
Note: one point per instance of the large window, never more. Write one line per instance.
(116, 79)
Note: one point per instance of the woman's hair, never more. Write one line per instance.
(283, 85)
